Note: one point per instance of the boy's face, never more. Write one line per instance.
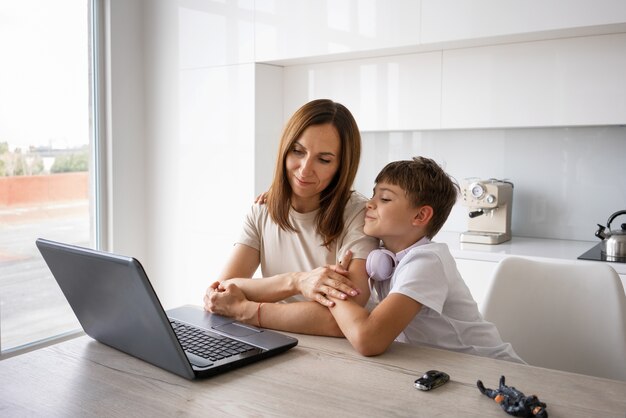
(389, 215)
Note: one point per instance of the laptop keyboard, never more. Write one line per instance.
(208, 346)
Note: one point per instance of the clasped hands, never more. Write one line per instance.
(228, 299)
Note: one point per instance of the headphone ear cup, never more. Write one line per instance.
(380, 264)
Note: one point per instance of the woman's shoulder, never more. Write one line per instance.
(355, 207)
(258, 212)
(356, 204)
(357, 200)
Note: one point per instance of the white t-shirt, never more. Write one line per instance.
(449, 317)
(284, 251)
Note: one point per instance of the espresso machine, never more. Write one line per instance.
(489, 203)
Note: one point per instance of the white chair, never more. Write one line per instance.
(561, 315)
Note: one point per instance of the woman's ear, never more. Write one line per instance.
(423, 216)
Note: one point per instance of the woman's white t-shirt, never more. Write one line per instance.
(284, 251)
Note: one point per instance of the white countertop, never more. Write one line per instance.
(521, 246)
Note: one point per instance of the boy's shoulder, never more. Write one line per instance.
(439, 249)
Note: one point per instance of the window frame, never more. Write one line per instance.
(98, 152)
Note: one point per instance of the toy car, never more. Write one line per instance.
(431, 379)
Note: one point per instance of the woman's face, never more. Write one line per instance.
(311, 165)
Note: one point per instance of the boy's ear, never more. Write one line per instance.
(423, 216)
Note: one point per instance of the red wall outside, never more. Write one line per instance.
(32, 190)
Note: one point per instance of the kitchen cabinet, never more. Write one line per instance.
(564, 82)
(206, 33)
(313, 30)
(401, 92)
(454, 20)
(287, 29)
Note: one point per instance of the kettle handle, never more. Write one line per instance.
(615, 215)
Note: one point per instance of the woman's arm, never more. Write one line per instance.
(301, 317)
(372, 333)
(243, 262)
(241, 266)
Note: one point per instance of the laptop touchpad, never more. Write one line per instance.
(236, 330)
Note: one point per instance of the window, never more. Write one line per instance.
(46, 159)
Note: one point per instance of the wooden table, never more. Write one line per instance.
(320, 377)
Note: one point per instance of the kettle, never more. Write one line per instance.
(613, 241)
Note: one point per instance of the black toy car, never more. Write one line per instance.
(431, 379)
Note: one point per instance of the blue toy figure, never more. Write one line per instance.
(515, 402)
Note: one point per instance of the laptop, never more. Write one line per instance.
(116, 305)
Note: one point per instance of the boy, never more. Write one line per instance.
(422, 297)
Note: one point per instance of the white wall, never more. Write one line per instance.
(268, 122)
(200, 145)
(181, 137)
(126, 165)
(566, 180)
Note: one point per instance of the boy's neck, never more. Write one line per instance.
(398, 244)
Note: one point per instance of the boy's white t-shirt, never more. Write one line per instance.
(449, 317)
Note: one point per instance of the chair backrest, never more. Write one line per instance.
(561, 315)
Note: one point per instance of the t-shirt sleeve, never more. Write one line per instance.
(354, 238)
(251, 231)
(421, 277)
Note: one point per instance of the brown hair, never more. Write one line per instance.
(334, 198)
(425, 183)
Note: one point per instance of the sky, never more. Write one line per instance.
(44, 80)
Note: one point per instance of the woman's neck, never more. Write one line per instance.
(305, 205)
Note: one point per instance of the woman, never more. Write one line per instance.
(310, 220)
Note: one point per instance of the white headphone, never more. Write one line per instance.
(381, 263)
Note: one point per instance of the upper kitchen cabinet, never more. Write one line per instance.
(211, 32)
(288, 29)
(400, 92)
(495, 21)
(564, 82)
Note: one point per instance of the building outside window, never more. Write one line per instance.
(46, 159)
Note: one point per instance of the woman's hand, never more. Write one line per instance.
(325, 281)
(227, 299)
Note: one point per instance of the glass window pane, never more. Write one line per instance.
(45, 159)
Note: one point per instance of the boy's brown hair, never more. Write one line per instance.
(425, 183)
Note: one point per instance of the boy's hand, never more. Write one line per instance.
(331, 280)
(345, 261)
(261, 199)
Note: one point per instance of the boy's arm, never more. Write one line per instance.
(372, 333)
